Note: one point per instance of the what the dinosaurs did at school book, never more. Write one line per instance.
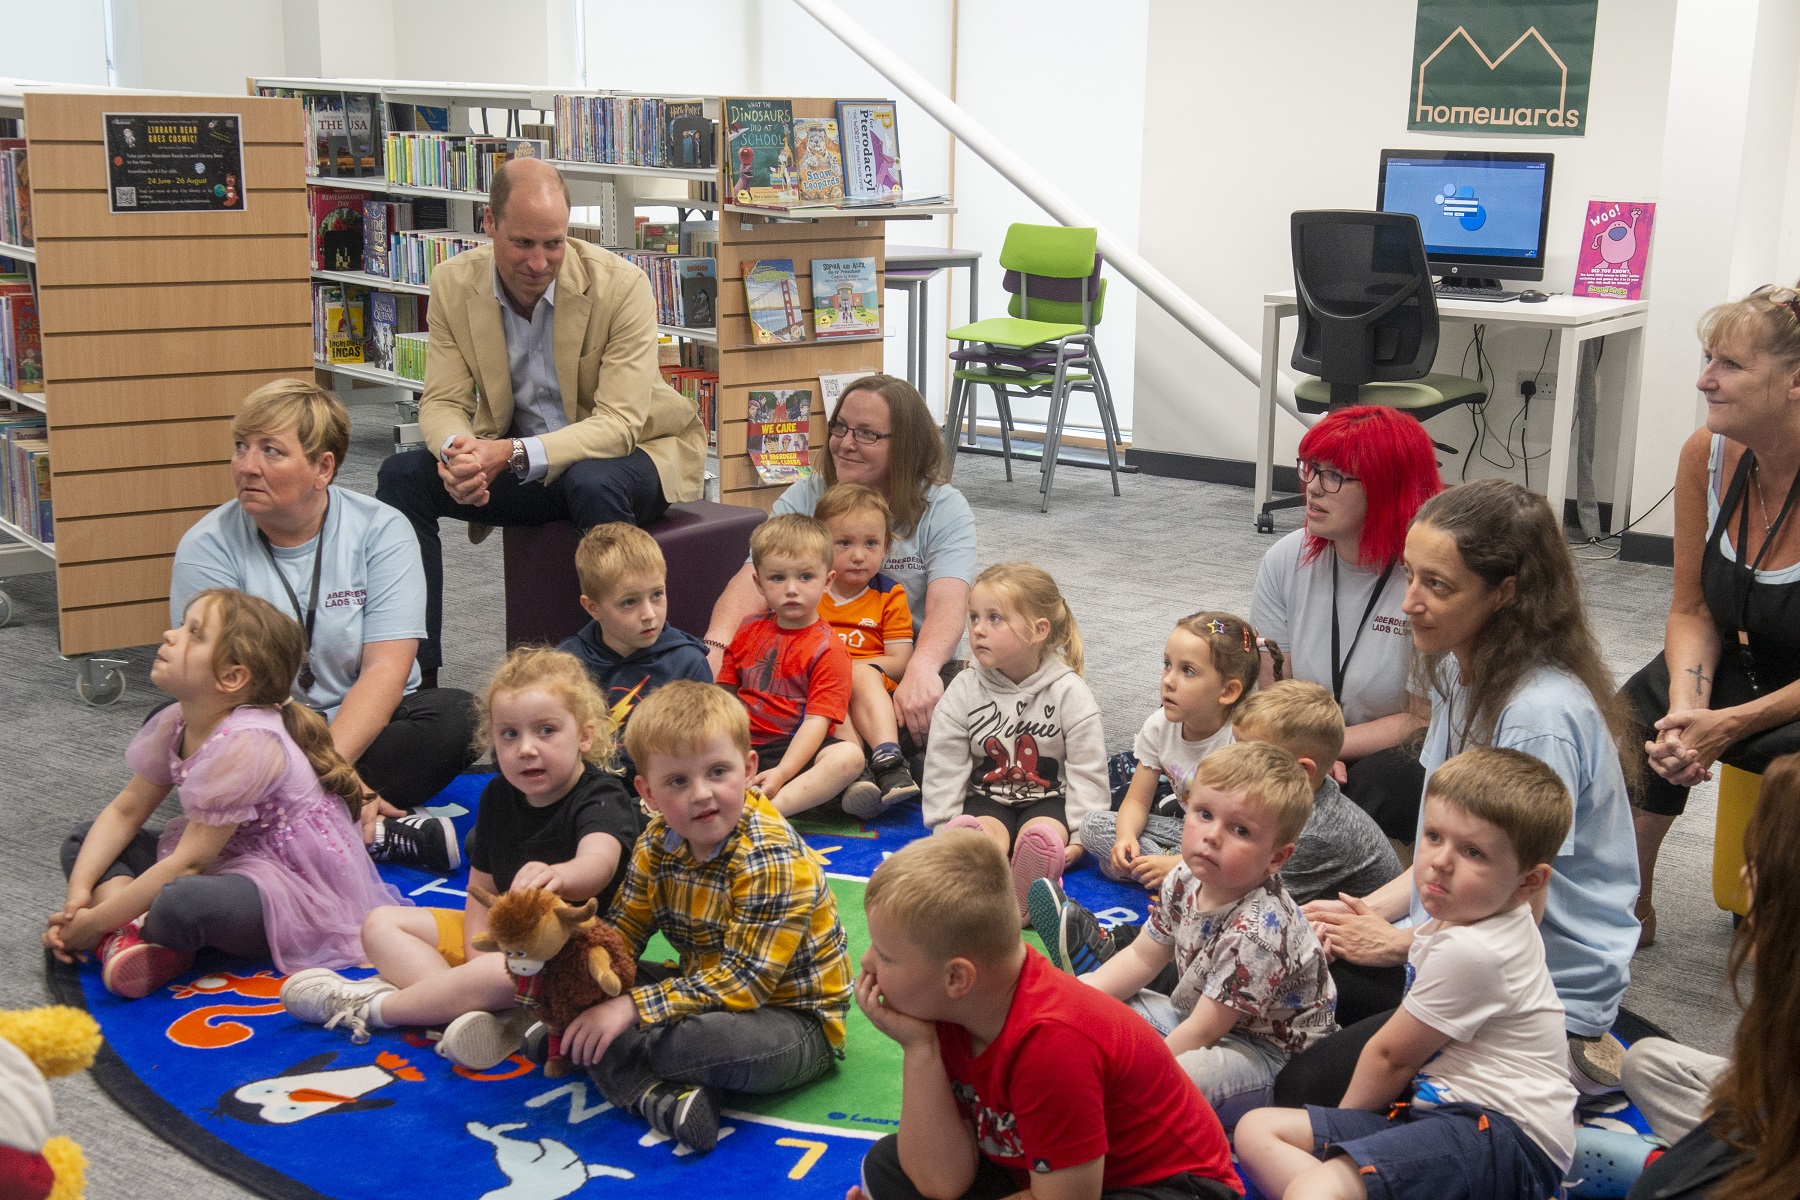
(759, 144)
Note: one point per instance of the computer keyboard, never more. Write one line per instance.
(1456, 291)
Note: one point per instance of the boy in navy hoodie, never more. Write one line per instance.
(629, 647)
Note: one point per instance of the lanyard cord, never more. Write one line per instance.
(311, 614)
(1340, 665)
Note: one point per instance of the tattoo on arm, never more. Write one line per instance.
(1701, 680)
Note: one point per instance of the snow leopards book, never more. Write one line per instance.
(821, 161)
(845, 304)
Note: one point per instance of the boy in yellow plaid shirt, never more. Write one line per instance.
(758, 1002)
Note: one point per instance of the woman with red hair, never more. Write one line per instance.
(1330, 594)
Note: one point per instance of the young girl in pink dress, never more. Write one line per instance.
(265, 860)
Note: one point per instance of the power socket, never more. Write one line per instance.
(1546, 386)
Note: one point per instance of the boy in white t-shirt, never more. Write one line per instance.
(1475, 1057)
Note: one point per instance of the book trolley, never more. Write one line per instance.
(154, 326)
(606, 198)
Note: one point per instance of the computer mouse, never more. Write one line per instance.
(1533, 296)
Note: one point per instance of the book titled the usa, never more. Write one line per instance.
(871, 143)
(774, 302)
(844, 298)
(759, 139)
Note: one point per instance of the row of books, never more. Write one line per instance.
(349, 129)
(702, 387)
(21, 346)
(845, 301)
(634, 131)
(352, 230)
(15, 193)
(409, 355)
(779, 161)
(460, 162)
(685, 288)
(353, 325)
(25, 473)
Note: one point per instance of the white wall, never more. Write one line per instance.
(1253, 111)
(62, 42)
(199, 45)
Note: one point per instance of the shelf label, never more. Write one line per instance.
(174, 162)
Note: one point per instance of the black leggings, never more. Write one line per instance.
(221, 911)
(1389, 785)
(425, 745)
(1648, 694)
(1321, 1074)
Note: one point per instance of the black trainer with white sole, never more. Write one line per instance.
(683, 1112)
(417, 840)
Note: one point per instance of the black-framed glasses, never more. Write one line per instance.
(1787, 297)
(864, 437)
(1330, 478)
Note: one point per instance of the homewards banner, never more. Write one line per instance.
(1495, 66)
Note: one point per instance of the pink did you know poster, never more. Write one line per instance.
(1615, 248)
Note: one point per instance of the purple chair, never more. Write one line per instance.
(705, 545)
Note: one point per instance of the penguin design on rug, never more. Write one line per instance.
(541, 1170)
(308, 1089)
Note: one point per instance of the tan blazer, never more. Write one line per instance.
(605, 337)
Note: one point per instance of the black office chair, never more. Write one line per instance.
(1368, 322)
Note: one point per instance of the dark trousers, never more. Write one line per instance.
(884, 1179)
(1366, 991)
(764, 1050)
(221, 911)
(589, 493)
(1648, 694)
(1321, 1074)
(1389, 785)
(426, 744)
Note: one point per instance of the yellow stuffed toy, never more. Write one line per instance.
(36, 1045)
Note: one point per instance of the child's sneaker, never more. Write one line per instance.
(895, 781)
(682, 1112)
(1036, 855)
(1595, 1063)
(418, 840)
(481, 1041)
(1071, 934)
(132, 968)
(862, 799)
(323, 997)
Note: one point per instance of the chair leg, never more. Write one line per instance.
(1059, 403)
(1004, 407)
(953, 418)
(1109, 416)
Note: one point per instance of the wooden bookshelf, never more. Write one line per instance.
(154, 326)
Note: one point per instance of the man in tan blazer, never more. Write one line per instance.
(542, 400)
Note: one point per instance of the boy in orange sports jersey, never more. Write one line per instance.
(870, 615)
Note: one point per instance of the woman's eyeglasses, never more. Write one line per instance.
(864, 437)
(1330, 478)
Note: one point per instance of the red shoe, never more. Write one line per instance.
(132, 968)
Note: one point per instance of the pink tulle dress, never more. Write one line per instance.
(293, 841)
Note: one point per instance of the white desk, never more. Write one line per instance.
(1575, 319)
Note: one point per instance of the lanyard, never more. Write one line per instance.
(305, 679)
(1745, 580)
(1340, 665)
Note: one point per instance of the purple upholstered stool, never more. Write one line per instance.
(704, 543)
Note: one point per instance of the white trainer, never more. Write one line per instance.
(323, 997)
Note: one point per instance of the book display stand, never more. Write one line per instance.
(606, 197)
(155, 324)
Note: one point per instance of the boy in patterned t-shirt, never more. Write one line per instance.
(871, 616)
(791, 672)
(1253, 986)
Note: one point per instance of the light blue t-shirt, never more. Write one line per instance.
(941, 547)
(371, 583)
(1589, 929)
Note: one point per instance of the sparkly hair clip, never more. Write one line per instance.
(1219, 628)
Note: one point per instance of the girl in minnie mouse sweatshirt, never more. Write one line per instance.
(1016, 749)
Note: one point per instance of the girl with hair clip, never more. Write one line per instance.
(1331, 592)
(1210, 663)
(1510, 661)
(1016, 746)
(1736, 1122)
(265, 860)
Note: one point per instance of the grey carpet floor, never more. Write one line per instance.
(1130, 567)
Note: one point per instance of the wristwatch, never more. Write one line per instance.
(519, 462)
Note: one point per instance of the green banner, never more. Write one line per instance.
(1499, 67)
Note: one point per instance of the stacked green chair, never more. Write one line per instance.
(1044, 346)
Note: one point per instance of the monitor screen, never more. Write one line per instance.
(1482, 214)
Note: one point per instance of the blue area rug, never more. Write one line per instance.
(215, 1067)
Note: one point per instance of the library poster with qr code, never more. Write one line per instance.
(174, 162)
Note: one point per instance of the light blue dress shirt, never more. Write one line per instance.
(531, 362)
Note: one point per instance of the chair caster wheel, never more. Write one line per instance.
(1265, 522)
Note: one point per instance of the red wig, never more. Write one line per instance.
(1393, 457)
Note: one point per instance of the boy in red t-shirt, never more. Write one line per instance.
(871, 616)
(1015, 1077)
(790, 670)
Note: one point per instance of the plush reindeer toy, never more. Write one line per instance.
(563, 960)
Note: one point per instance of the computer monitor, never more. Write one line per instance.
(1484, 214)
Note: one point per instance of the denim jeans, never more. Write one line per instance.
(765, 1050)
(1235, 1076)
(1162, 835)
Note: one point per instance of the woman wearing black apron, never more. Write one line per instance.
(1724, 688)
